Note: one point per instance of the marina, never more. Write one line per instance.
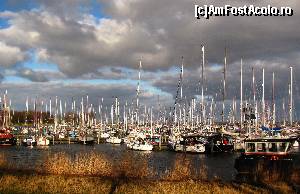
(226, 146)
(136, 96)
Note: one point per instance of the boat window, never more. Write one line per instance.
(272, 147)
(261, 147)
(250, 147)
(281, 147)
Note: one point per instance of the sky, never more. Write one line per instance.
(74, 48)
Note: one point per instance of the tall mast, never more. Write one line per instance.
(181, 77)
(291, 97)
(224, 86)
(202, 86)
(137, 93)
(50, 107)
(82, 113)
(273, 99)
(26, 114)
(253, 85)
(241, 103)
(263, 97)
(283, 110)
(151, 121)
(254, 99)
(232, 111)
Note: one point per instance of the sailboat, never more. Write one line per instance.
(6, 137)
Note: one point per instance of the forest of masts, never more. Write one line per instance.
(184, 114)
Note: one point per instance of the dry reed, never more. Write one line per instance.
(132, 167)
(183, 170)
(86, 164)
(62, 184)
(129, 174)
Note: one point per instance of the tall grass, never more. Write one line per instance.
(62, 184)
(96, 173)
(183, 169)
(52, 184)
(95, 164)
(88, 164)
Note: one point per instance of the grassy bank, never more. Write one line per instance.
(98, 173)
(71, 184)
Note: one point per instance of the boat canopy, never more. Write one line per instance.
(270, 129)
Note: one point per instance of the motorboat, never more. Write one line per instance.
(7, 138)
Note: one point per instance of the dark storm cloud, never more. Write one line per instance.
(171, 24)
(32, 75)
(159, 32)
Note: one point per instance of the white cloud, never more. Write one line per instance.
(10, 55)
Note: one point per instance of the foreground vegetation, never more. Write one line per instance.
(94, 173)
(71, 184)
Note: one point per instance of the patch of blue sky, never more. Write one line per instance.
(4, 23)
(15, 79)
(34, 64)
(100, 81)
(144, 86)
(96, 9)
(156, 91)
(215, 67)
(41, 66)
(129, 71)
(18, 5)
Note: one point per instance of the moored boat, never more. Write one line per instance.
(7, 138)
(190, 143)
(29, 141)
(86, 139)
(43, 141)
(140, 144)
(114, 140)
(266, 154)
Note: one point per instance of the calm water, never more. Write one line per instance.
(218, 165)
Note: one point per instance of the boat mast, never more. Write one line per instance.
(284, 113)
(224, 86)
(254, 99)
(137, 94)
(263, 97)
(151, 121)
(202, 87)
(233, 111)
(181, 84)
(241, 103)
(273, 99)
(253, 85)
(50, 108)
(55, 115)
(181, 77)
(291, 97)
(82, 113)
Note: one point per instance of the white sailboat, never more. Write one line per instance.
(114, 140)
(140, 144)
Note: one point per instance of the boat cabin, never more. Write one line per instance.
(267, 146)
